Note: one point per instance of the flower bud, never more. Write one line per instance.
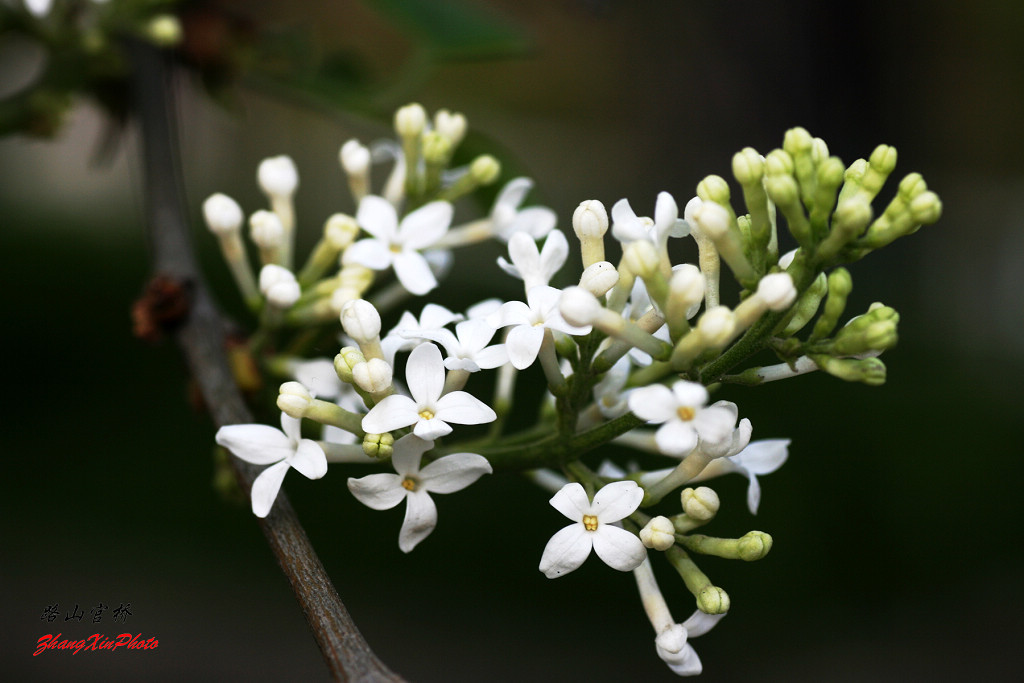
(883, 159)
(926, 208)
(658, 534)
(579, 307)
(590, 220)
(436, 148)
(278, 285)
(754, 545)
(485, 169)
(223, 214)
(410, 120)
(450, 125)
(714, 189)
(164, 30)
(712, 219)
(354, 158)
(797, 141)
(716, 326)
(672, 640)
(293, 399)
(378, 445)
(340, 231)
(373, 376)
(685, 289)
(713, 600)
(347, 359)
(641, 258)
(599, 278)
(701, 503)
(361, 321)
(776, 291)
(778, 163)
(266, 230)
(748, 166)
(278, 176)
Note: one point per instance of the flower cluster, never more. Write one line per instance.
(630, 353)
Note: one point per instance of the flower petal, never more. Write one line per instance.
(414, 272)
(700, 623)
(378, 491)
(258, 444)
(370, 252)
(572, 501)
(378, 217)
(509, 313)
(408, 452)
(566, 551)
(463, 408)
(454, 472)
(618, 548)
(617, 500)
(523, 344)
(690, 394)
(536, 221)
(654, 403)
(675, 437)
(265, 488)
(309, 459)
(425, 226)
(393, 412)
(431, 429)
(764, 456)
(420, 520)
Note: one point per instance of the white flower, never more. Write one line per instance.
(610, 394)
(467, 348)
(760, 457)
(507, 219)
(531, 266)
(399, 244)
(280, 448)
(685, 418)
(428, 410)
(673, 646)
(628, 227)
(38, 8)
(529, 320)
(405, 335)
(594, 528)
(445, 475)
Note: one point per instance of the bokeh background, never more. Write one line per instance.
(897, 520)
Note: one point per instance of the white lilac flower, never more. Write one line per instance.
(467, 347)
(610, 394)
(427, 410)
(594, 528)
(529, 320)
(399, 244)
(628, 227)
(760, 457)
(531, 266)
(405, 335)
(413, 485)
(508, 219)
(673, 643)
(280, 448)
(38, 8)
(683, 416)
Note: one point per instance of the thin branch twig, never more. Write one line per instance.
(201, 338)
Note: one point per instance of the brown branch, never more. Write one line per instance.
(200, 334)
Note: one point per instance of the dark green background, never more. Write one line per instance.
(896, 520)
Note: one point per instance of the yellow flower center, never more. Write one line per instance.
(396, 248)
(426, 414)
(686, 413)
(590, 522)
(409, 484)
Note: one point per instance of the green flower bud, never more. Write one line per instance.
(840, 284)
(870, 371)
(485, 169)
(926, 208)
(658, 534)
(348, 358)
(713, 600)
(436, 148)
(410, 120)
(701, 503)
(378, 445)
(748, 166)
(340, 231)
(714, 189)
(797, 141)
(754, 545)
(912, 186)
(294, 399)
(778, 163)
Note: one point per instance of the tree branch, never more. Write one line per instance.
(200, 335)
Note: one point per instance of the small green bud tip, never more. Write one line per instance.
(883, 159)
(714, 189)
(912, 186)
(855, 173)
(754, 545)
(840, 282)
(819, 152)
(346, 360)
(926, 208)
(485, 169)
(713, 600)
(797, 141)
(436, 148)
(164, 30)
(781, 188)
(378, 445)
(778, 163)
(748, 166)
(831, 171)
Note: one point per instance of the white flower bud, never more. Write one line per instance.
(450, 125)
(658, 534)
(342, 296)
(278, 176)
(361, 321)
(590, 220)
(373, 376)
(686, 288)
(701, 503)
(776, 291)
(293, 399)
(579, 307)
(641, 257)
(599, 278)
(354, 157)
(712, 219)
(340, 230)
(278, 284)
(691, 209)
(410, 120)
(266, 230)
(717, 325)
(223, 214)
